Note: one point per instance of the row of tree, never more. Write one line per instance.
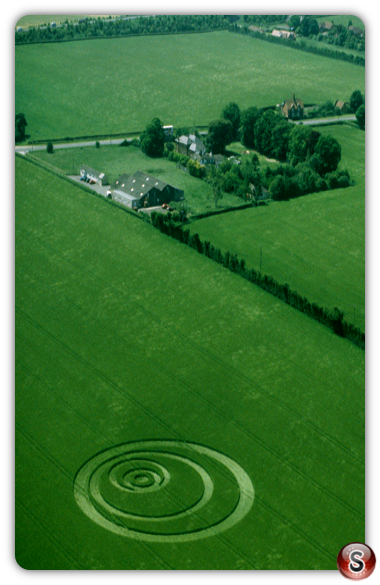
(89, 28)
(334, 319)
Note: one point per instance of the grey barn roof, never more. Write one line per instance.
(138, 185)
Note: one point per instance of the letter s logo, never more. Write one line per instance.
(356, 565)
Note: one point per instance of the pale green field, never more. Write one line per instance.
(124, 335)
(185, 80)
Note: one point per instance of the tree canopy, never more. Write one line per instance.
(232, 113)
(21, 124)
(152, 140)
(220, 134)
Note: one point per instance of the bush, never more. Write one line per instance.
(338, 180)
(50, 147)
(196, 169)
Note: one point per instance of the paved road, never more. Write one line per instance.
(317, 121)
(33, 147)
(30, 148)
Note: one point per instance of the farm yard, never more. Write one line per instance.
(170, 76)
(170, 414)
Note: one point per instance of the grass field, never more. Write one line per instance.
(124, 335)
(315, 243)
(185, 80)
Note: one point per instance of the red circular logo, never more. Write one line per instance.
(356, 561)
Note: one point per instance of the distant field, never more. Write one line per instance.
(124, 335)
(183, 79)
(315, 243)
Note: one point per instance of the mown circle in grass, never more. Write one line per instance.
(134, 474)
(163, 491)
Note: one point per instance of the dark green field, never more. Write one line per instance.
(150, 381)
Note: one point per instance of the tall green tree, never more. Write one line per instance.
(21, 124)
(360, 116)
(356, 100)
(152, 140)
(298, 144)
(232, 113)
(248, 120)
(264, 128)
(220, 134)
(327, 155)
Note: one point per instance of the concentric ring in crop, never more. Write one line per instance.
(163, 491)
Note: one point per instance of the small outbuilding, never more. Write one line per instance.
(344, 107)
(93, 175)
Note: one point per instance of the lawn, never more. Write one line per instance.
(315, 243)
(185, 80)
(151, 381)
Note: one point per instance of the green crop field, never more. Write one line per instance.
(110, 86)
(169, 414)
(315, 243)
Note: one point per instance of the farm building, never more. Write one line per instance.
(293, 109)
(342, 106)
(89, 173)
(143, 190)
(209, 159)
(191, 146)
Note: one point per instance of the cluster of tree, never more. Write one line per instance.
(311, 158)
(334, 319)
(160, 24)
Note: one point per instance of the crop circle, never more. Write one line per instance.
(163, 491)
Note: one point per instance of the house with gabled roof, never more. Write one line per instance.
(293, 109)
(190, 146)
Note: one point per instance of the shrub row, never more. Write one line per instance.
(334, 319)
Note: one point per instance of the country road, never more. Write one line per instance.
(33, 147)
(318, 121)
